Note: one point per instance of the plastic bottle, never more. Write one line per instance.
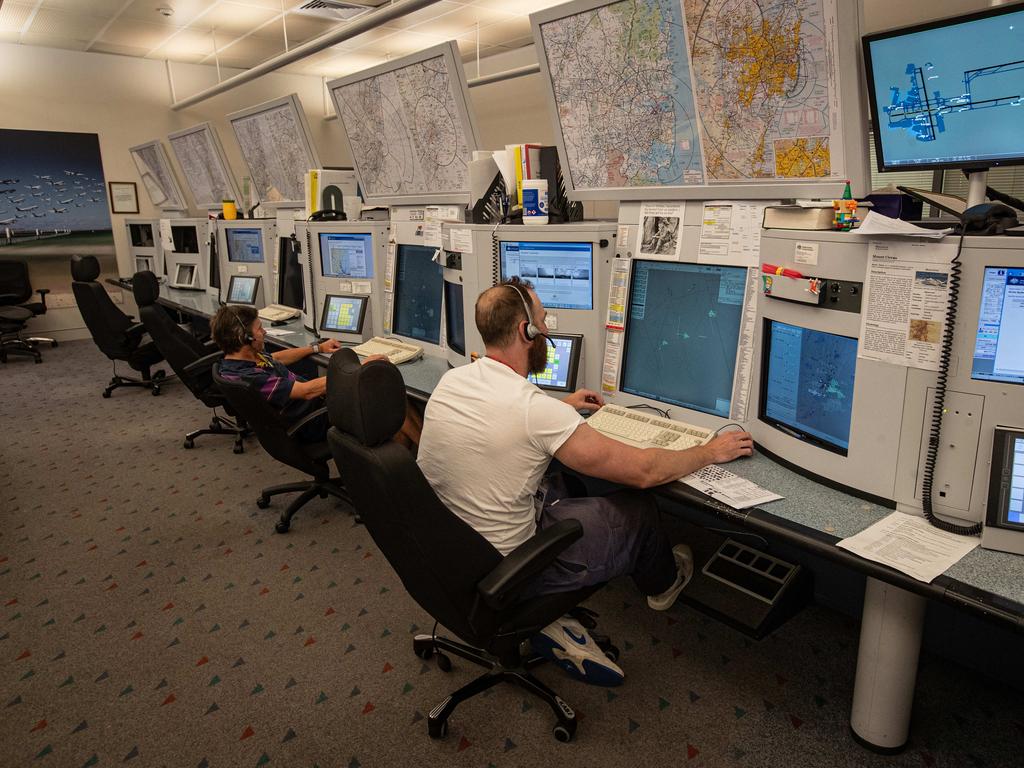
(535, 201)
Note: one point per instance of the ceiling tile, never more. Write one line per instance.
(234, 20)
(184, 11)
(424, 15)
(53, 41)
(463, 20)
(14, 15)
(135, 33)
(300, 28)
(186, 45)
(399, 44)
(8, 35)
(518, 7)
(73, 26)
(251, 49)
(104, 8)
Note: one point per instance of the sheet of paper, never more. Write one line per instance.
(389, 266)
(660, 234)
(389, 303)
(344, 286)
(622, 239)
(745, 348)
(617, 292)
(806, 253)
(278, 332)
(461, 240)
(728, 488)
(905, 299)
(910, 544)
(362, 287)
(612, 360)
(166, 237)
(432, 233)
(877, 224)
(715, 232)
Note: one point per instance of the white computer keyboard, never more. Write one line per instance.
(395, 351)
(275, 313)
(646, 431)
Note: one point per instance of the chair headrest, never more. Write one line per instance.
(365, 401)
(146, 288)
(85, 269)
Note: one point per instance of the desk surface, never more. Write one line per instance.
(811, 515)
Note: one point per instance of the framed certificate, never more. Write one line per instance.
(124, 197)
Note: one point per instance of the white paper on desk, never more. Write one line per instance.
(278, 332)
(905, 299)
(910, 544)
(736, 491)
(877, 224)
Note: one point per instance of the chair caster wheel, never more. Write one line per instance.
(262, 502)
(437, 729)
(106, 393)
(39, 360)
(282, 526)
(562, 733)
(239, 449)
(156, 391)
(189, 443)
(424, 650)
(443, 662)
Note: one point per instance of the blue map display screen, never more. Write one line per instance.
(950, 94)
(346, 254)
(454, 317)
(418, 288)
(684, 325)
(807, 384)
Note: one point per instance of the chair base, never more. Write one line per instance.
(42, 340)
(307, 490)
(220, 426)
(19, 346)
(514, 670)
(151, 383)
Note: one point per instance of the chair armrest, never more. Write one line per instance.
(136, 330)
(310, 417)
(206, 361)
(526, 561)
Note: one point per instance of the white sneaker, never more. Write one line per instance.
(684, 567)
(567, 644)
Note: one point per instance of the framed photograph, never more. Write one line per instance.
(124, 198)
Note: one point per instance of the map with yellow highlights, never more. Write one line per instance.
(802, 158)
(762, 73)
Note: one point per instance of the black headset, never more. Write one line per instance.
(532, 331)
(247, 337)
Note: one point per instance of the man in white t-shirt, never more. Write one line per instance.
(488, 438)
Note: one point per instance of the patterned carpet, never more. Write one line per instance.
(151, 617)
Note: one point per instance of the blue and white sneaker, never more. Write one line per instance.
(567, 644)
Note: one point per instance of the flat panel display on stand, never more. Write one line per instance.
(157, 176)
(202, 160)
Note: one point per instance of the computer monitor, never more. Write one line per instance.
(343, 314)
(454, 317)
(346, 254)
(185, 238)
(245, 245)
(289, 274)
(682, 333)
(185, 275)
(562, 273)
(1005, 507)
(242, 289)
(563, 364)
(998, 349)
(947, 94)
(807, 384)
(418, 289)
(141, 235)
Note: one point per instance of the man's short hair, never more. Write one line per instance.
(231, 325)
(499, 310)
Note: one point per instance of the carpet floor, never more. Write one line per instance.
(150, 616)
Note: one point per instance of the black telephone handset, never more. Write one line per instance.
(328, 214)
(988, 219)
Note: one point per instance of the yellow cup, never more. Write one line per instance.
(230, 211)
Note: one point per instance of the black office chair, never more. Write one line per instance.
(15, 292)
(452, 571)
(114, 332)
(280, 441)
(189, 358)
